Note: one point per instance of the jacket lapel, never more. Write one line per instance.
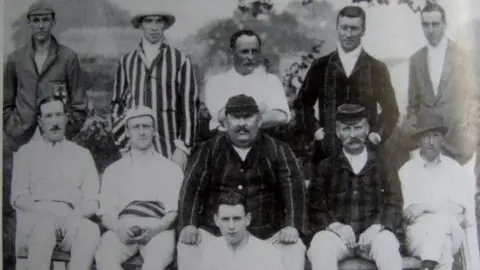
(362, 59)
(447, 68)
(337, 62)
(423, 70)
(30, 60)
(51, 57)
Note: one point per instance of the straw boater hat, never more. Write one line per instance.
(429, 122)
(138, 16)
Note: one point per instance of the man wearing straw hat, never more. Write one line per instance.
(161, 77)
(438, 199)
(40, 69)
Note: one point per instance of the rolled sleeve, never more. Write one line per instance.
(109, 193)
(91, 182)
(170, 203)
(21, 176)
(277, 99)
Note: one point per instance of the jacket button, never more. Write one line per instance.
(240, 187)
(241, 170)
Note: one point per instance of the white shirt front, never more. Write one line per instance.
(348, 59)
(264, 87)
(436, 59)
(256, 254)
(151, 51)
(242, 152)
(429, 183)
(357, 162)
(129, 180)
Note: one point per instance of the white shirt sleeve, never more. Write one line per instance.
(277, 98)
(175, 179)
(110, 193)
(409, 192)
(213, 101)
(20, 176)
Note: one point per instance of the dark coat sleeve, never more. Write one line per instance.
(319, 214)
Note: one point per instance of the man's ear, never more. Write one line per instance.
(248, 219)
(216, 219)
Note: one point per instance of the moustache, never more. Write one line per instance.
(242, 129)
(354, 141)
(55, 128)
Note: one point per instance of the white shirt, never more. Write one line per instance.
(63, 172)
(436, 59)
(429, 183)
(256, 254)
(151, 51)
(357, 162)
(129, 180)
(348, 59)
(242, 152)
(264, 87)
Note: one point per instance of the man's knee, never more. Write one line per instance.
(43, 231)
(323, 243)
(385, 243)
(88, 232)
(105, 253)
(160, 251)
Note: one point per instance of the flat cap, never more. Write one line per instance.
(137, 112)
(138, 16)
(40, 8)
(350, 113)
(241, 105)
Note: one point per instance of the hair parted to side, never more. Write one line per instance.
(352, 12)
(48, 100)
(430, 7)
(243, 32)
(232, 198)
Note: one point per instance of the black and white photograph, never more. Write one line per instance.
(241, 134)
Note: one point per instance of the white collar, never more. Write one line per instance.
(354, 54)
(427, 164)
(51, 144)
(441, 46)
(244, 243)
(256, 72)
(147, 46)
(362, 156)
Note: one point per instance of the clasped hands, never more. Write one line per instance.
(134, 234)
(347, 235)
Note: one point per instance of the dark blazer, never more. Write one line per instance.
(326, 82)
(456, 100)
(25, 86)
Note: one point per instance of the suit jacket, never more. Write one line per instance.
(25, 86)
(456, 100)
(326, 82)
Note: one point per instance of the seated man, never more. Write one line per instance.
(355, 205)
(138, 200)
(435, 192)
(264, 169)
(237, 248)
(55, 189)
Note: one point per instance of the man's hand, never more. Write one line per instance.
(262, 107)
(366, 238)
(345, 232)
(180, 158)
(375, 138)
(124, 234)
(413, 212)
(319, 134)
(190, 235)
(288, 235)
(145, 237)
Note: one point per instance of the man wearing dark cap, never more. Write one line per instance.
(263, 169)
(347, 75)
(438, 200)
(160, 77)
(355, 204)
(40, 69)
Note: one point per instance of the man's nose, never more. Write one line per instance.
(249, 55)
(231, 225)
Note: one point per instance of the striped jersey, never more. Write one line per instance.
(168, 87)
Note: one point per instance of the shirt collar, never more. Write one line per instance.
(427, 164)
(363, 155)
(258, 71)
(50, 144)
(352, 54)
(441, 46)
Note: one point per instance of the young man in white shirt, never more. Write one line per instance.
(237, 248)
(55, 189)
(138, 200)
(249, 77)
(437, 196)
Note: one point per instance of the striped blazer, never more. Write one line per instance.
(168, 87)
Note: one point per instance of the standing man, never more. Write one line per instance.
(347, 75)
(247, 76)
(158, 76)
(40, 69)
(138, 200)
(237, 248)
(55, 190)
(355, 203)
(439, 199)
(442, 82)
(246, 160)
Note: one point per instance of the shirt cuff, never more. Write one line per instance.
(181, 145)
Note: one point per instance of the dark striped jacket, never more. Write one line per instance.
(270, 178)
(168, 87)
(337, 194)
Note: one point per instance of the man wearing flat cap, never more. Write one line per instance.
(158, 76)
(138, 200)
(263, 169)
(40, 69)
(355, 204)
(438, 198)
